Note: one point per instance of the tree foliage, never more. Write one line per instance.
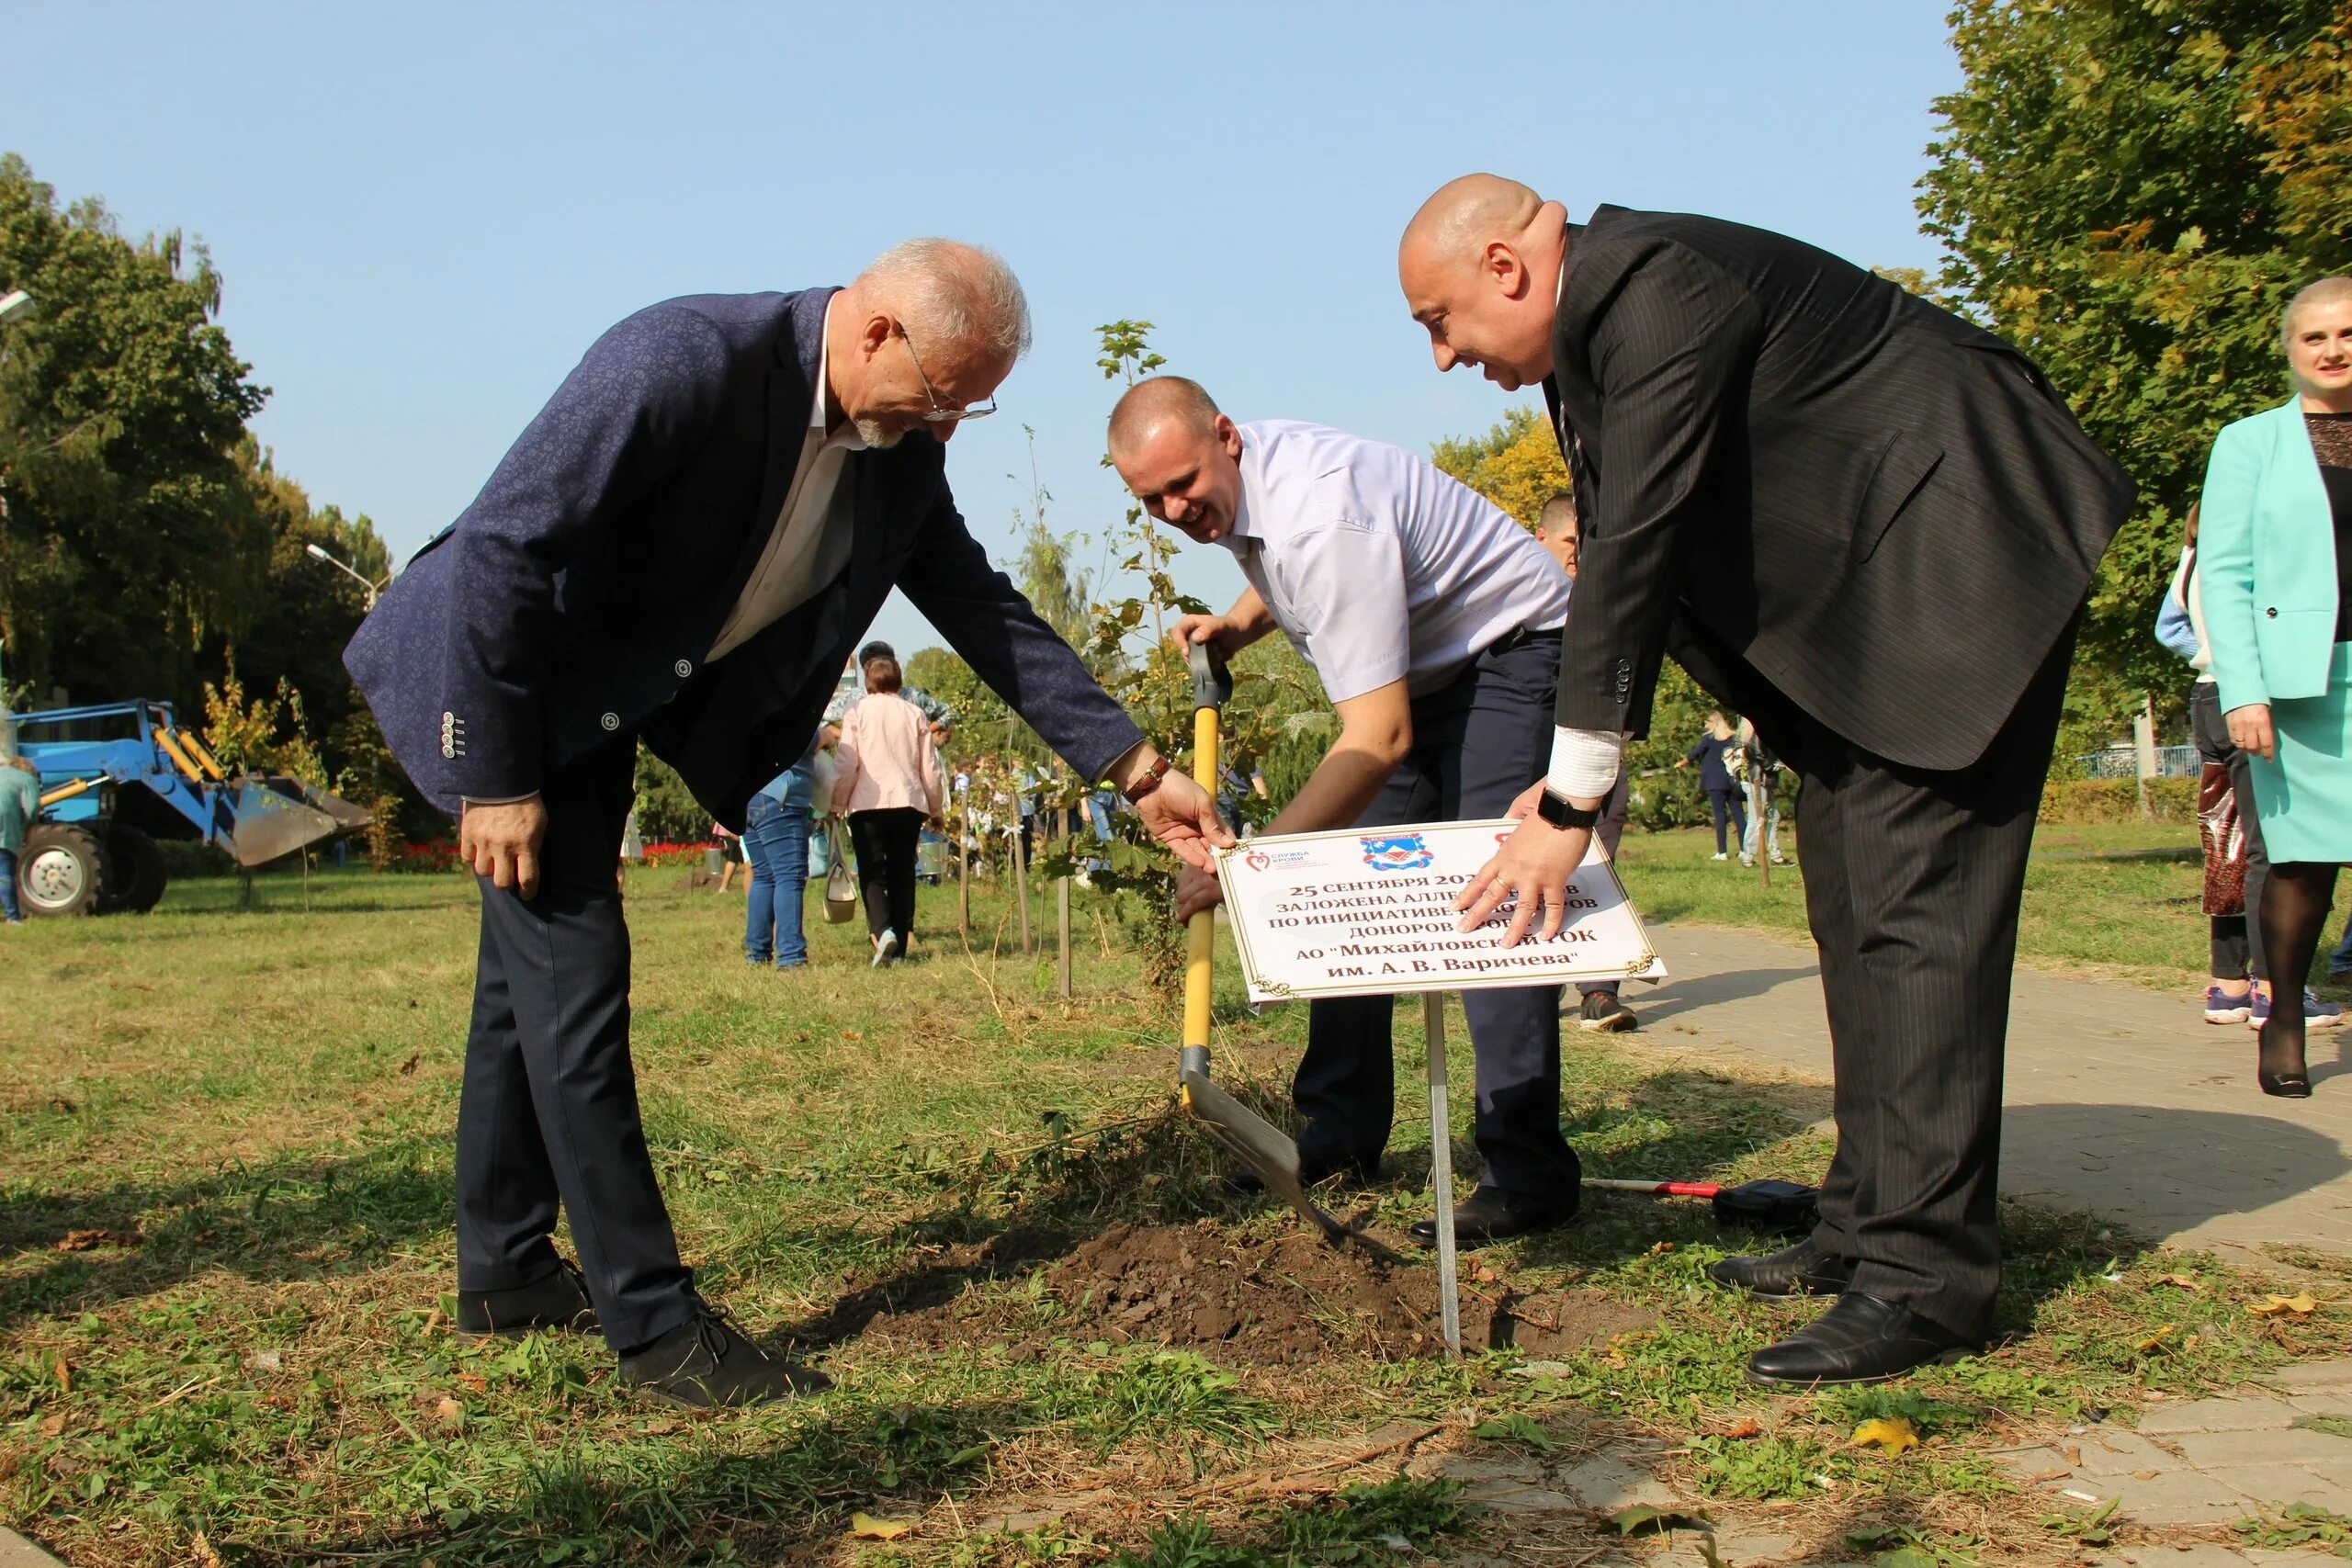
(2130, 190)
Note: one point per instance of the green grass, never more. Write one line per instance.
(253, 1109)
(2118, 899)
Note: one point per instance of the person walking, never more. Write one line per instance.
(775, 842)
(888, 786)
(1871, 526)
(1716, 754)
(683, 547)
(1759, 768)
(2277, 540)
(19, 805)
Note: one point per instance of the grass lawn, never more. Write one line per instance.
(225, 1265)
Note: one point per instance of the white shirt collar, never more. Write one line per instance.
(1240, 531)
(821, 407)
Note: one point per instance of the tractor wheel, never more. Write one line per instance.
(139, 872)
(61, 870)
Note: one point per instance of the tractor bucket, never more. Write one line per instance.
(348, 818)
(266, 823)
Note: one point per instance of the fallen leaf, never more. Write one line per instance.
(2153, 1340)
(450, 1412)
(1747, 1428)
(52, 1426)
(2145, 1474)
(853, 1034)
(64, 1375)
(202, 1551)
(2300, 1304)
(1891, 1434)
(1639, 1520)
(2185, 1282)
(265, 1362)
(866, 1526)
(408, 1068)
(474, 1380)
(90, 1241)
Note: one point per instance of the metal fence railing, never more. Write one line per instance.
(2118, 762)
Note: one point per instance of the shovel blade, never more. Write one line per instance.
(1259, 1145)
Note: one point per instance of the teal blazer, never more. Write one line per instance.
(2266, 548)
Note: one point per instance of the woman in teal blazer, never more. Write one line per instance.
(2277, 559)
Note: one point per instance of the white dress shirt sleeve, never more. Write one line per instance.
(1585, 763)
(1345, 587)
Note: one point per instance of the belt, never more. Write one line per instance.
(1515, 639)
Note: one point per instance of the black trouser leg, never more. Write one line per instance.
(886, 841)
(868, 839)
(557, 967)
(903, 841)
(1719, 800)
(1913, 880)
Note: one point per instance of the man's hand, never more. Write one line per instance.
(1223, 638)
(501, 842)
(1182, 815)
(2250, 731)
(1196, 890)
(1534, 864)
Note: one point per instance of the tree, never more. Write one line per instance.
(2129, 190)
(128, 532)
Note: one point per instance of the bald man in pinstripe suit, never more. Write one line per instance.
(1870, 525)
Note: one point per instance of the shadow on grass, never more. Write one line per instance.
(686, 1498)
(296, 1217)
(1685, 993)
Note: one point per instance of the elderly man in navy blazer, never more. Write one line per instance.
(683, 547)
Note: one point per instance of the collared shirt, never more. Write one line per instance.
(809, 543)
(1377, 566)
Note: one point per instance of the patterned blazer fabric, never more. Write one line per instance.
(575, 599)
(1883, 510)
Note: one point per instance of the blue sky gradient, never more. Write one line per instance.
(424, 214)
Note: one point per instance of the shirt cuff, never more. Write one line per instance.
(1585, 763)
(498, 800)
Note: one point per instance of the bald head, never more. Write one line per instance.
(1466, 212)
(1480, 267)
(2316, 332)
(1157, 401)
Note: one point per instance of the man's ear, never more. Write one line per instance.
(875, 333)
(1501, 264)
(1228, 436)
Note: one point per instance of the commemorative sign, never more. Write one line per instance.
(1369, 913)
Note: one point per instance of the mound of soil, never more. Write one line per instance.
(1290, 1299)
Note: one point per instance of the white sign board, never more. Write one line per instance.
(1369, 913)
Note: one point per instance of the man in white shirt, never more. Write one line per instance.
(1435, 623)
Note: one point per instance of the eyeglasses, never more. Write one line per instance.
(940, 412)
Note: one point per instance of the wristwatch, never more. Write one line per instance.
(1147, 781)
(1554, 808)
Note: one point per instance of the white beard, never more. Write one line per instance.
(875, 436)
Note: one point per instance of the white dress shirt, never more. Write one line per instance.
(1377, 566)
(1585, 763)
(811, 538)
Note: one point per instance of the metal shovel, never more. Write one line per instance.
(1448, 1277)
(1248, 1136)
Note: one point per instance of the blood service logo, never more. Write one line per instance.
(1402, 852)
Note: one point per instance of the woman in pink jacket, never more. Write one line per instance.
(888, 785)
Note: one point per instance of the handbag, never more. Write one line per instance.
(840, 887)
(2223, 835)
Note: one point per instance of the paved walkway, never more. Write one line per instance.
(2122, 1101)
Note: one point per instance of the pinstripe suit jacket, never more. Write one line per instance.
(1883, 509)
(577, 597)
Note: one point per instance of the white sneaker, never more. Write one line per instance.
(886, 949)
(1719, 857)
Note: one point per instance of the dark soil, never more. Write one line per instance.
(1283, 1300)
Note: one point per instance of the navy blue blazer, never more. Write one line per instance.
(574, 600)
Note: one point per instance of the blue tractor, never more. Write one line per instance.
(116, 777)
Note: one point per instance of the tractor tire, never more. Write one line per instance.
(140, 874)
(63, 869)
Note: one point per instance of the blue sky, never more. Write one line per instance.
(425, 213)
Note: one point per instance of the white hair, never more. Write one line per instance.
(953, 292)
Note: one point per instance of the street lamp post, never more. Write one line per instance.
(13, 306)
(346, 567)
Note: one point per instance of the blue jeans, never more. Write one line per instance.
(9, 885)
(776, 840)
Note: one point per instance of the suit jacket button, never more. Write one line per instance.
(685, 667)
(2272, 612)
(610, 721)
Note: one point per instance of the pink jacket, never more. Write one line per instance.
(885, 757)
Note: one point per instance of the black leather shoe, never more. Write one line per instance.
(1492, 1214)
(557, 1299)
(1859, 1339)
(1800, 1270)
(1311, 1173)
(708, 1363)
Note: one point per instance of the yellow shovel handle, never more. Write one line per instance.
(1199, 932)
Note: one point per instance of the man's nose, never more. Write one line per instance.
(1175, 508)
(1445, 358)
